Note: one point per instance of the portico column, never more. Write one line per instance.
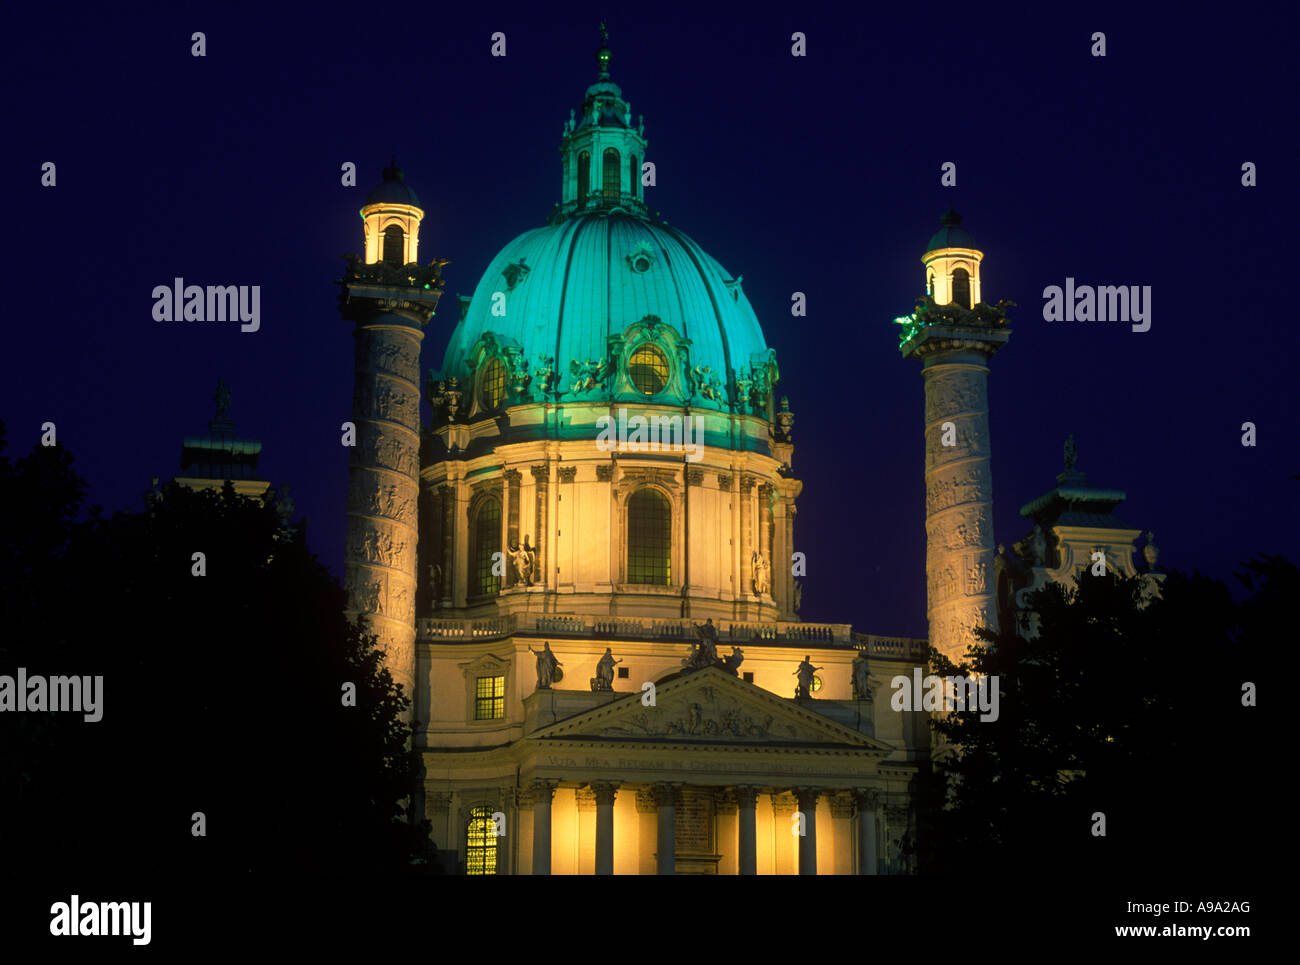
(747, 798)
(542, 792)
(807, 798)
(665, 795)
(866, 802)
(605, 792)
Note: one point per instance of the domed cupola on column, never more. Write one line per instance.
(602, 151)
(391, 216)
(952, 264)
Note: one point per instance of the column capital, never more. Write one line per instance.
(512, 476)
(746, 795)
(605, 791)
(807, 797)
(645, 800)
(586, 798)
(542, 473)
(866, 798)
(542, 791)
(665, 793)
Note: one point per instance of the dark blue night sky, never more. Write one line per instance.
(816, 174)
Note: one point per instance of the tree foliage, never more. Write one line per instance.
(222, 693)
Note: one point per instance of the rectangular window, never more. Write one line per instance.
(490, 698)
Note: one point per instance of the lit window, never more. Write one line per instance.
(648, 369)
(609, 173)
(961, 287)
(487, 541)
(481, 843)
(393, 245)
(490, 698)
(584, 175)
(493, 386)
(649, 539)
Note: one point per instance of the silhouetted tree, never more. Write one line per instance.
(1131, 711)
(222, 693)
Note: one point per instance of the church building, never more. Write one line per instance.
(584, 568)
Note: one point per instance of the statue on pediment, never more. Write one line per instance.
(733, 660)
(604, 679)
(805, 672)
(705, 653)
(548, 667)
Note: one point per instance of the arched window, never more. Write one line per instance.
(961, 287)
(649, 538)
(486, 531)
(493, 387)
(634, 176)
(609, 173)
(929, 285)
(584, 175)
(480, 842)
(394, 239)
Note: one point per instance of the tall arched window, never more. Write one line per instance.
(634, 177)
(394, 239)
(609, 173)
(480, 842)
(961, 287)
(649, 538)
(929, 285)
(584, 175)
(486, 530)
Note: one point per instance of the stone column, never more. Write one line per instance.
(746, 536)
(605, 792)
(785, 856)
(665, 800)
(958, 480)
(511, 521)
(765, 533)
(747, 845)
(541, 483)
(447, 504)
(807, 798)
(542, 793)
(379, 561)
(867, 801)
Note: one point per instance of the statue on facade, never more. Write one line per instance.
(762, 573)
(604, 679)
(805, 672)
(1151, 552)
(731, 663)
(705, 653)
(222, 398)
(861, 677)
(525, 560)
(1038, 546)
(784, 420)
(548, 668)
(435, 581)
(1071, 452)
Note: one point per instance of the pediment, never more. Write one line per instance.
(709, 706)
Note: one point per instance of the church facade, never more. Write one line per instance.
(584, 567)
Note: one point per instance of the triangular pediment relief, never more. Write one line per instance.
(709, 707)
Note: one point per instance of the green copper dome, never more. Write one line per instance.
(607, 302)
(568, 289)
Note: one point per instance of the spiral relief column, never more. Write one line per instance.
(954, 336)
(389, 299)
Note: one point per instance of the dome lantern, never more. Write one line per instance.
(952, 264)
(391, 217)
